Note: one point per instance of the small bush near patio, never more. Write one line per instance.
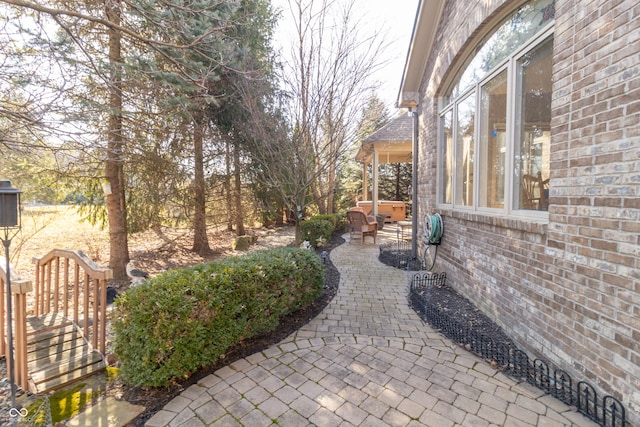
(186, 319)
(339, 220)
(316, 231)
(333, 218)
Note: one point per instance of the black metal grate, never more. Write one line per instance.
(398, 255)
(606, 411)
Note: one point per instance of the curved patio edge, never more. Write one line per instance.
(367, 359)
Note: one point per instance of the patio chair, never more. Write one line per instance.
(535, 192)
(361, 224)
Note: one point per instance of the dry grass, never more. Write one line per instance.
(60, 227)
(49, 227)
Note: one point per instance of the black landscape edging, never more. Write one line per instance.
(503, 354)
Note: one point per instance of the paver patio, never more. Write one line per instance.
(366, 360)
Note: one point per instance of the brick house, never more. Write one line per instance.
(529, 148)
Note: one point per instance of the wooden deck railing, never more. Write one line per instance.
(69, 283)
(19, 290)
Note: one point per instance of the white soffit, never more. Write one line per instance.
(422, 39)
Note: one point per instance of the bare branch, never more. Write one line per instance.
(63, 12)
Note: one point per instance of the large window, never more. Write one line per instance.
(495, 121)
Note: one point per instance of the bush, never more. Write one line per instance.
(316, 230)
(333, 218)
(339, 220)
(183, 320)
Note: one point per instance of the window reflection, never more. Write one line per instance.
(447, 157)
(511, 35)
(533, 127)
(493, 139)
(464, 151)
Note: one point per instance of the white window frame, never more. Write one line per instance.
(510, 64)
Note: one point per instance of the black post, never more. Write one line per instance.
(10, 221)
(12, 379)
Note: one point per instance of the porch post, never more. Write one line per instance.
(414, 188)
(374, 186)
(365, 182)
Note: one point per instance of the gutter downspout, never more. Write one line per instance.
(414, 188)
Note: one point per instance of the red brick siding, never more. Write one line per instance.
(568, 289)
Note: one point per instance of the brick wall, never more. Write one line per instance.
(568, 289)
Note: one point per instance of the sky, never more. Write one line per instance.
(391, 17)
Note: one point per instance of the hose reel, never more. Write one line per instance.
(432, 237)
(433, 228)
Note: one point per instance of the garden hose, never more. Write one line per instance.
(433, 228)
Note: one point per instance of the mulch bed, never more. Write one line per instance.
(442, 307)
(460, 320)
(154, 399)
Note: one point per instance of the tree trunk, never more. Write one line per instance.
(319, 198)
(227, 186)
(114, 172)
(200, 240)
(238, 192)
(280, 214)
(297, 220)
(331, 188)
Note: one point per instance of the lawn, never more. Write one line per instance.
(49, 227)
(61, 227)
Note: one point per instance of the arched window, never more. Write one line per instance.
(495, 121)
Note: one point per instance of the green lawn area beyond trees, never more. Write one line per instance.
(148, 113)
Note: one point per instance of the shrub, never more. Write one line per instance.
(183, 320)
(339, 220)
(316, 230)
(333, 218)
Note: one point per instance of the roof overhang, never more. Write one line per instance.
(392, 142)
(422, 39)
(388, 152)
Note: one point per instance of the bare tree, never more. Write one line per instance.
(329, 73)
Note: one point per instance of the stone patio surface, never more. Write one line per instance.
(366, 360)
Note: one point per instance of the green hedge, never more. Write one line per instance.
(183, 320)
(339, 220)
(333, 218)
(314, 230)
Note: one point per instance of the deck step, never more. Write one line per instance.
(58, 354)
(42, 357)
(47, 336)
(65, 372)
(46, 322)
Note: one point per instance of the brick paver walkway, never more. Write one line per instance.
(366, 360)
